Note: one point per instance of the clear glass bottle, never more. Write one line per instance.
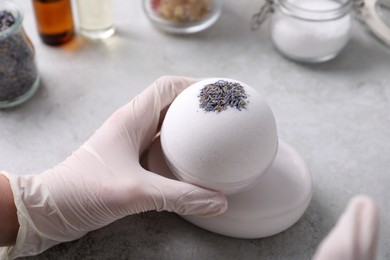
(182, 16)
(19, 78)
(95, 18)
(311, 31)
(54, 20)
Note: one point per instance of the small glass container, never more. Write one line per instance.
(182, 16)
(19, 78)
(95, 18)
(311, 31)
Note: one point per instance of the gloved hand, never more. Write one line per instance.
(103, 181)
(355, 235)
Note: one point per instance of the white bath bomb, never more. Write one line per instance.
(227, 148)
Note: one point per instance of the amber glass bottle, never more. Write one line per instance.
(54, 20)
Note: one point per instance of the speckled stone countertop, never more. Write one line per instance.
(336, 114)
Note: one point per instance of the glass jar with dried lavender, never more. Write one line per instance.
(19, 77)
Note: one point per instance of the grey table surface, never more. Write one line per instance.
(336, 115)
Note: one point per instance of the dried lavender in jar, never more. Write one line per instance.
(222, 94)
(18, 72)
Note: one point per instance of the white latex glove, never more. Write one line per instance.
(103, 181)
(355, 235)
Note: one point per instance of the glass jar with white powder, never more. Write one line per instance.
(317, 30)
(311, 30)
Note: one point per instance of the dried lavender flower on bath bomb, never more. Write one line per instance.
(218, 96)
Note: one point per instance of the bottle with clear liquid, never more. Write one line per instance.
(95, 18)
(54, 20)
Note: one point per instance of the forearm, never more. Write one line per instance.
(8, 218)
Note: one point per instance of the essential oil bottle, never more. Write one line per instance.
(54, 20)
(95, 18)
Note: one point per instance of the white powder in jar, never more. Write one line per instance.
(310, 40)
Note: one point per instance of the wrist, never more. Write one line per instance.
(9, 224)
(40, 224)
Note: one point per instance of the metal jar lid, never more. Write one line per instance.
(375, 14)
